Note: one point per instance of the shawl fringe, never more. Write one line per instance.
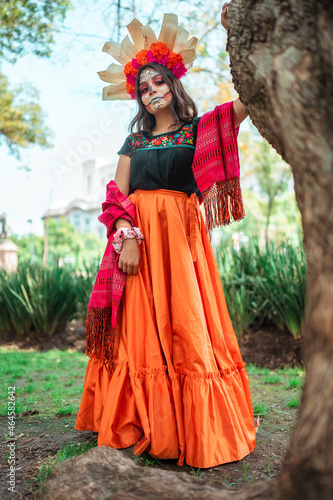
(101, 336)
(216, 166)
(223, 201)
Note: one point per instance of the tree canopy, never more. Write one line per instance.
(28, 26)
(64, 242)
(21, 123)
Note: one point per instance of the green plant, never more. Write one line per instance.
(259, 409)
(284, 282)
(30, 388)
(145, 460)
(44, 300)
(293, 402)
(37, 299)
(264, 283)
(294, 383)
(44, 472)
(66, 409)
(196, 473)
(272, 379)
(68, 450)
(234, 484)
(245, 470)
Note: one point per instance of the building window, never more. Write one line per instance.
(88, 184)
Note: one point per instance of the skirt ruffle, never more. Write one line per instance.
(180, 388)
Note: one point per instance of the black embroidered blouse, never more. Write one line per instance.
(163, 161)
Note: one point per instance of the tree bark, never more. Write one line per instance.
(281, 55)
(104, 473)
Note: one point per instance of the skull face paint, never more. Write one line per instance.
(155, 93)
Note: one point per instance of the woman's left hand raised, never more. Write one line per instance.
(224, 16)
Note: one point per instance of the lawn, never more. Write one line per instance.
(48, 387)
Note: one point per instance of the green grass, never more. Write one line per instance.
(145, 460)
(68, 409)
(260, 409)
(272, 379)
(272, 398)
(251, 368)
(196, 472)
(246, 476)
(29, 388)
(43, 383)
(294, 383)
(293, 402)
(68, 450)
(50, 376)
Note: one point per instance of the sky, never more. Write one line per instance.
(83, 125)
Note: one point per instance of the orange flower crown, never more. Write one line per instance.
(172, 49)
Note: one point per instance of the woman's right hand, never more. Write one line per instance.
(224, 16)
(129, 258)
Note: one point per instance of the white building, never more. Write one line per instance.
(84, 210)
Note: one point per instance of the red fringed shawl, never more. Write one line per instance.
(216, 166)
(110, 282)
(216, 171)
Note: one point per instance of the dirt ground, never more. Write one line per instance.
(267, 346)
(41, 438)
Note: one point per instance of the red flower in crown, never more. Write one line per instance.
(142, 57)
(130, 89)
(158, 50)
(129, 69)
(174, 59)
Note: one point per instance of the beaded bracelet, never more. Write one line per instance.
(124, 233)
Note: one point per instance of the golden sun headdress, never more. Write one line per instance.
(173, 49)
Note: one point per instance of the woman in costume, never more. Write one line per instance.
(165, 373)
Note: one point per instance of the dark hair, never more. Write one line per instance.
(182, 106)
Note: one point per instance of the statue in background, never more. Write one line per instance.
(8, 249)
(4, 229)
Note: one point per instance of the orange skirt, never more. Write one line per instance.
(180, 389)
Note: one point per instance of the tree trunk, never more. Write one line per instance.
(281, 55)
(103, 473)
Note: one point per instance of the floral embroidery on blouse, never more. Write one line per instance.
(182, 137)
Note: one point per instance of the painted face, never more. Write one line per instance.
(155, 93)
